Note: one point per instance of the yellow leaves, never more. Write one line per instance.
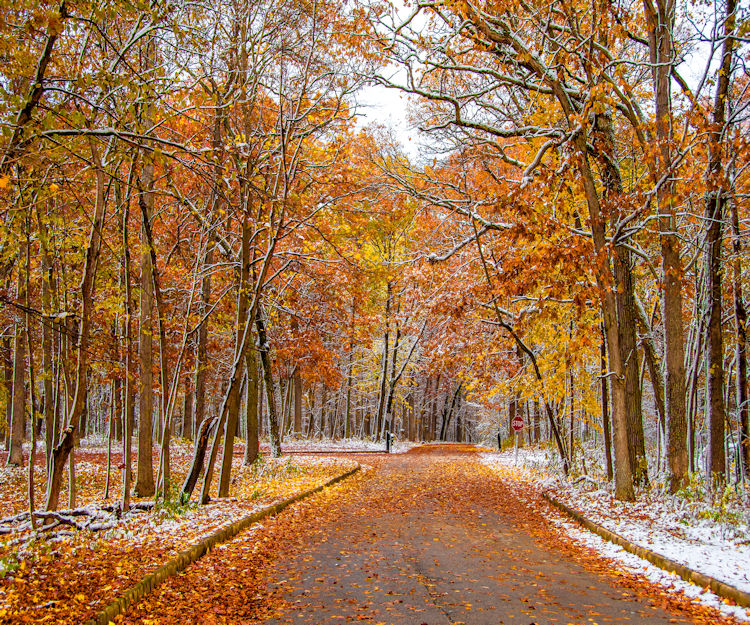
(4, 182)
(54, 188)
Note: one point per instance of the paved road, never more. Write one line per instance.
(435, 538)
(425, 538)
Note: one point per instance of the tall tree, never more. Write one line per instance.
(660, 27)
(715, 201)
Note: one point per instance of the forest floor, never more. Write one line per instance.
(431, 536)
(708, 533)
(67, 575)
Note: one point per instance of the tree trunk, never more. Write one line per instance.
(273, 425)
(622, 269)
(144, 484)
(64, 447)
(199, 455)
(660, 21)
(740, 319)
(623, 470)
(233, 408)
(297, 402)
(715, 204)
(392, 382)
(18, 423)
(187, 410)
(448, 412)
(201, 348)
(50, 429)
(606, 430)
(629, 349)
(127, 331)
(251, 406)
(384, 365)
(7, 366)
(424, 411)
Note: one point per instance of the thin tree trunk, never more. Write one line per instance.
(7, 359)
(297, 402)
(199, 454)
(201, 348)
(572, 396)
(18, 423)
(715, 206)
(434, 410)
(740, 319)
(606, 430)
(424, 411)
(128, 416)
(273, 425)
(65, 446)
(110, 435)
(32, 384)
(187, 410)
(144, 483)
(251, 406)
(392, 382)
(50, 429)
(448, 411)
(384, 366)
(652, 360)
(233, 409)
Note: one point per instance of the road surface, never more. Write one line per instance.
(429, 537)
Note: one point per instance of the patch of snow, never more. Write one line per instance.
(344, 445)
(656, 521)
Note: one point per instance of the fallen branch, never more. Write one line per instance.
(95, 519)
(586, 478)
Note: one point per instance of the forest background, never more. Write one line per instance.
(199, 241)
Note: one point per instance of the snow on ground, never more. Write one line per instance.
(712, 539)
(349, 445)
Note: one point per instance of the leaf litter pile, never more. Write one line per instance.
(68, 575)
(259, 575)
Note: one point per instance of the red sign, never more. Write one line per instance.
(517, 424)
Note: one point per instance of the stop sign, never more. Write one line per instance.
(517, 424)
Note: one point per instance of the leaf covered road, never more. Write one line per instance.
(428, 537)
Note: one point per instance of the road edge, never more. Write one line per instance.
(194, 553)
(720, 588)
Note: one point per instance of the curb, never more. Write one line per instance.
(723, 590)
(190, 555)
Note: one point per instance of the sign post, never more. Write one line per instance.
(517, 425)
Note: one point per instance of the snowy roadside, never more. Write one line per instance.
(67, 576)
(348, 445)
(680, 529)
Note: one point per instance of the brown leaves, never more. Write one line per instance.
(69, 580)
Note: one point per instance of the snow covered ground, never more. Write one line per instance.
(712, 538)
(349, 445)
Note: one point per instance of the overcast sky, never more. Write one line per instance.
(380, 105)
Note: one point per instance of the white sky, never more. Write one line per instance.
(380, 105)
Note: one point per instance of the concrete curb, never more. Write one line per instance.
(723, 590)
(187, 557)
